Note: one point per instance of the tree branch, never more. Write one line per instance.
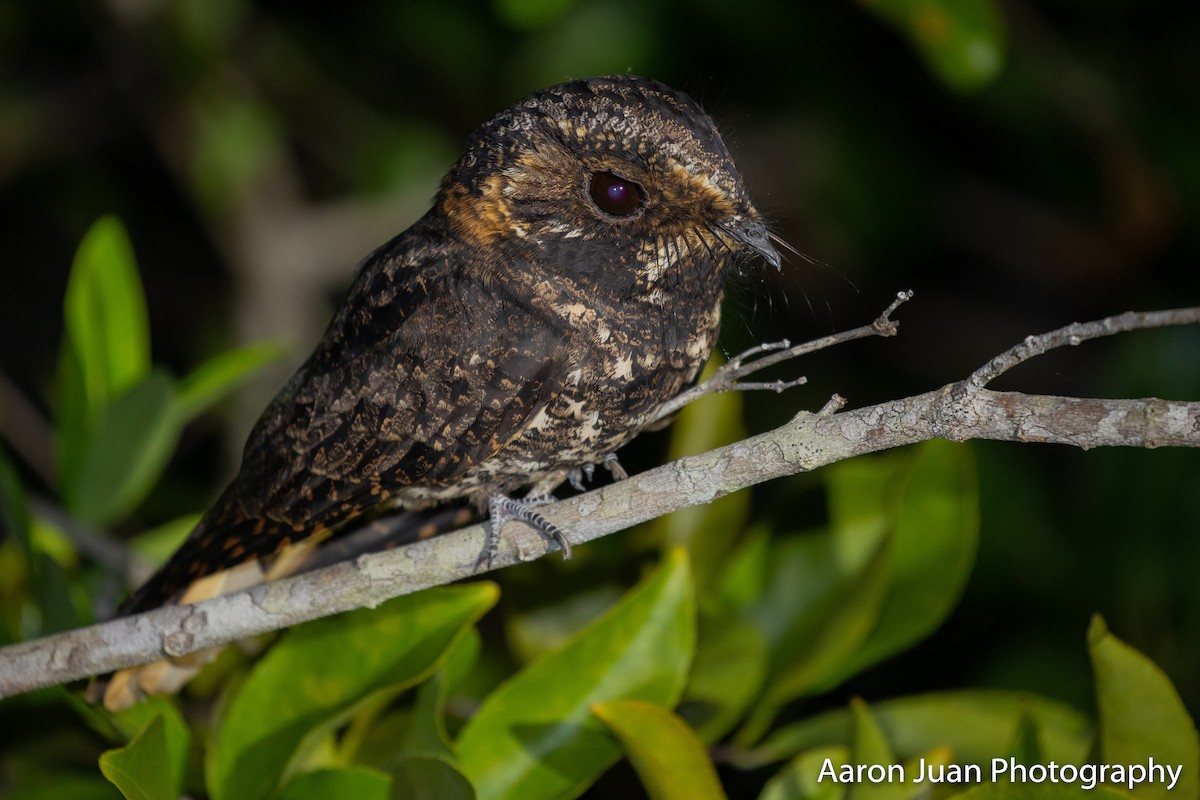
(959, 411)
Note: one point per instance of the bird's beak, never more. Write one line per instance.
(755, 236)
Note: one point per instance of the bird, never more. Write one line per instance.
(565, 284)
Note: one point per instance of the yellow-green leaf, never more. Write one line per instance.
(962, 41)
(319, 673)
(141, 769)
(359, 783)
(534, 737)
(1142, 717)
(670, 760)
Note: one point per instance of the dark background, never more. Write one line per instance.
(257, 150)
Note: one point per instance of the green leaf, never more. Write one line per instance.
(105, 315)
(962, 41)
(670, 760)
(1027, 791)
(221, 374)
(141, 769)
(800, 779)
(59, 785)
(975, 724)
(428, 736)
(1141, 715)
(176, 735)
(106, 340)
(133, 441)
(318, 674)
(427, 778)
(821, 640)
(727, 674)
(359, 783)
(534, 736)
(531, 13)
(870, 747)
(933, 545)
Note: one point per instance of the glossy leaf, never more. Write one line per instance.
(869, 747)
(105, 315)
(1027, 791)
(352, 782)
(176, 735)
(669, 758)
(823, 638)
(801, 778)
(141, 769)
(428, 778)
(105, 348)
(975, 724)
(935, 536)
(319, 672)
(962, 41)
(534, 736)
(728, 672)
(1141, 715)
(220, 375)
(427, 735)
(132, 443)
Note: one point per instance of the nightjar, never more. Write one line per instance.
(566, 283)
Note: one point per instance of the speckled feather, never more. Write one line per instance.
(513, 333)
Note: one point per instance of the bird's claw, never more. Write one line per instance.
(501, 509)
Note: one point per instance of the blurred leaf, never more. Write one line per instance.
(141, 769)
(237, 139)
(742, 580)
(530, 13)
(962, 41)
(1025, 791)
(820, 640)
(176, 735)
(532, 634)
(133, 442)
(799, 779)
(1026, 747)
(933, 545)
(975, 724)
(861, 506)
(428, 736)
(359, 783)
(62, 784)
(156, 544)
(870, 747)
(426, 778)
(318, 673)
(1141, 715)
(727, 674)
(534, 737)
(220, 375)
(105, 315)
(106, 343)
(670, 760)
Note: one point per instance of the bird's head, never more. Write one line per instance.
(620, 181)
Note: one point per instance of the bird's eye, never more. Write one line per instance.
(614, 195)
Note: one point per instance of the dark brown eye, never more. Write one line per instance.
(614, 195)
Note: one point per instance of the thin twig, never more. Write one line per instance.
(1077, 333)
(729, 376)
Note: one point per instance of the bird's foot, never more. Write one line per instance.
(501, 509)
(579, 475)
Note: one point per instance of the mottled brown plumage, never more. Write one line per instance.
(566, 283)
